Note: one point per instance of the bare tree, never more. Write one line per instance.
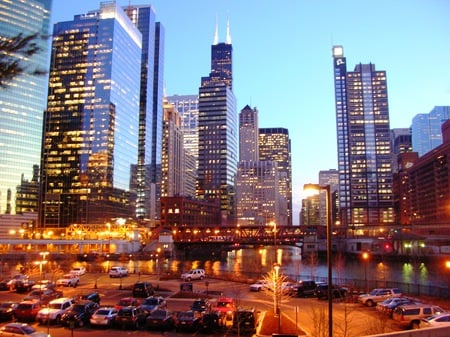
(14, 52)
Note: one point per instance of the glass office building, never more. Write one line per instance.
(91, 124)
(363, 141)
(22, 103)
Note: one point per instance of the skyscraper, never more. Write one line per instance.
(91, 125)
(218, 132)
(22, 101)
(426, 129)
(146, 180)
(275, 145)
(363, 143)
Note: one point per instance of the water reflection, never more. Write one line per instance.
(257, 262)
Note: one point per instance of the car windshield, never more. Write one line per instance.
(28, 329)
(151, 301)
(374, 292)
(125, 312)
(125, 302)
(78, 308)
(24, 306)
(102, 312)
(158, 314)
(5, 305)
(54, 305)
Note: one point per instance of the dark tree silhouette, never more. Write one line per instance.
(13, 52)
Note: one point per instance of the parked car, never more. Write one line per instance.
(20, 329)
(305, 288)
(79, 314)
(321, 291)
(130, 317)
(152, 303)
(16, 279)
(210, 322)
(259, 285)
(24, 285)
(7, 309)
(378, 295)
(127, 302)
(388, 305)
(89, 296)
(143, 289)
(54, 311)
(5, 284)
(442, 319)
(225, 306)
(201, 305)
(44, 296)
(118, 272)
(187, 321)
(104, 316)
(160, 319)
(43, 285)
(68, 280)
(26, 311)
(244, 321)
(78, 271)
(194, 274)
(410, 315)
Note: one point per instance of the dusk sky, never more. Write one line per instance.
(282, 62)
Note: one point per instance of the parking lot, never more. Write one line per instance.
(309, 314)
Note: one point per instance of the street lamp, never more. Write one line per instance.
(447, 265)
(365, 257)
(277, 289)
(317, 188)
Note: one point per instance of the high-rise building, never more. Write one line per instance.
(172, 153)
(146, 180)
(91, 125)
(363, 142)
(22, 101)
(400, 143)
(218, 132)
(426, 129)
(275, 145)
(187, 107)
(258, 199)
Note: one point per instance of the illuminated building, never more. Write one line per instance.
(218, 132)
(92, 119)
(363, 143)
(275, 145)
(23, 100)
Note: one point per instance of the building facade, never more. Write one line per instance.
(401, 142)
(426, 129)
(218, 133)
(91, 124)
(275, 145)
(22, 101)
(363, 143)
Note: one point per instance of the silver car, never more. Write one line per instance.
(20, 329)
(104, 316)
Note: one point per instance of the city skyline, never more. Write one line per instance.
(283, 61)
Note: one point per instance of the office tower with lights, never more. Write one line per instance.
(258, 199)
(426, 129)
(401, 142)
(91, 125)
(275, 145)
(146, 179)
(363, 143)
(218, 132)
(22, 102)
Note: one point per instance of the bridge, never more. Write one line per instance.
(241, 235)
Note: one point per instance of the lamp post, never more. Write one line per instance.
(317, 188)
(365, 257)
(276, 288)
(447, 265)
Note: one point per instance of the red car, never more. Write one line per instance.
(225, 307)
(26, 311)
(127, 302)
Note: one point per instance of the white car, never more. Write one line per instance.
(54, 311)
(104, 316)
(259, 285)
(442, 319)
(118, 272)
(78, 271)
(194, 274)
(68, 280)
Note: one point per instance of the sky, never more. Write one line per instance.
(282, 61)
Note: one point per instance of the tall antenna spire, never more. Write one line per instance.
(216, 33)
(228, 39)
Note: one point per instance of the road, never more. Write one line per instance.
(310, 315)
